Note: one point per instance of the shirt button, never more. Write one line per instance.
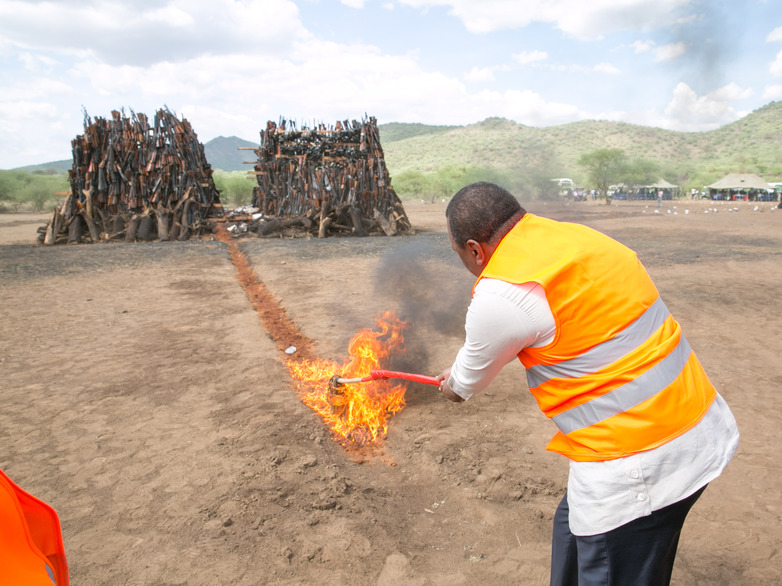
(634, 474)
(641, 496)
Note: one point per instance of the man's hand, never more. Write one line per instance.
(445, 389)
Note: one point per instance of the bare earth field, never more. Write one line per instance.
(143, 399)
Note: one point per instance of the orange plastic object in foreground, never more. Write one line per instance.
(31, 548)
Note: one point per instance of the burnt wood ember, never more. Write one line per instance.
(333, 179)
(135, 180)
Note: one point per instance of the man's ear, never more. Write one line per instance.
(477, 252)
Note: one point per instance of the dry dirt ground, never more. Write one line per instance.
(144, 399)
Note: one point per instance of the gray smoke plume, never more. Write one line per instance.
(425, 301)
(710, 42)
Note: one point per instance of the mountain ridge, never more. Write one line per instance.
(752, 144)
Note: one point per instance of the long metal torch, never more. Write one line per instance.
(384, 374)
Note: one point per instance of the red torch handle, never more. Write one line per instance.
(418, 378)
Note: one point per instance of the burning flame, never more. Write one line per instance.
(356, 413)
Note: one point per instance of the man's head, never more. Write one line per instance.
(479, 216)
(483, 212)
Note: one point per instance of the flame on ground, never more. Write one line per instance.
(356, 413)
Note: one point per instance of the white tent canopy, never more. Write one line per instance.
(661, 184)
(740, 181)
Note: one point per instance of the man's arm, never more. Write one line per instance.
(502, 320)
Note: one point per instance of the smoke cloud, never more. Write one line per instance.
(431, 290)
(709, 41)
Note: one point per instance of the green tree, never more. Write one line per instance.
(640, 172)
(445, 181)
(410, 184)
(236, 189)
(7, 184)
(38, 195)
(604, 168)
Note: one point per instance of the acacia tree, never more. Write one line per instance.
(640, 172)
(604, 168)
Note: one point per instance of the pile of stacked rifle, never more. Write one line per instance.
(325, 181)
(134, 181)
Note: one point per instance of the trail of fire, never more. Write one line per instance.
(357, 414)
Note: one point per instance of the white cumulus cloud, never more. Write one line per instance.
(524, 106)
(606, 68)
(773, 92)
(598, 68)
(692, 113)
(670, 52)
(775, 35)
(776, 66)
(530, 56)
(731, 93)
(143, 33)
(642, 46)
(586, 20)
(480, 74)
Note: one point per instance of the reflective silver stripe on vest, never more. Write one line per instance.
(605, 353)
(628, 395)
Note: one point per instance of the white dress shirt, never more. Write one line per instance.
(502, 319)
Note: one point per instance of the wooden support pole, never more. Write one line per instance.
(132, 228)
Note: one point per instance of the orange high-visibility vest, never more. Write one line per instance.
(619, 377)
(31, 549)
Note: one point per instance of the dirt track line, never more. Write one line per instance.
(273, 315)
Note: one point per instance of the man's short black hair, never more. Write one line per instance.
(482, 211)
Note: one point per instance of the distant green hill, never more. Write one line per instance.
(394, 131)
(752, 144)
(224, 154)
(221, 153)
(59, 166)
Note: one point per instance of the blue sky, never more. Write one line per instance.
(228, 66)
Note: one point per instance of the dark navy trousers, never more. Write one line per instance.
(639, 553)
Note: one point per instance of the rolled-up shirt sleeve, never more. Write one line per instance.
(502, 319)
